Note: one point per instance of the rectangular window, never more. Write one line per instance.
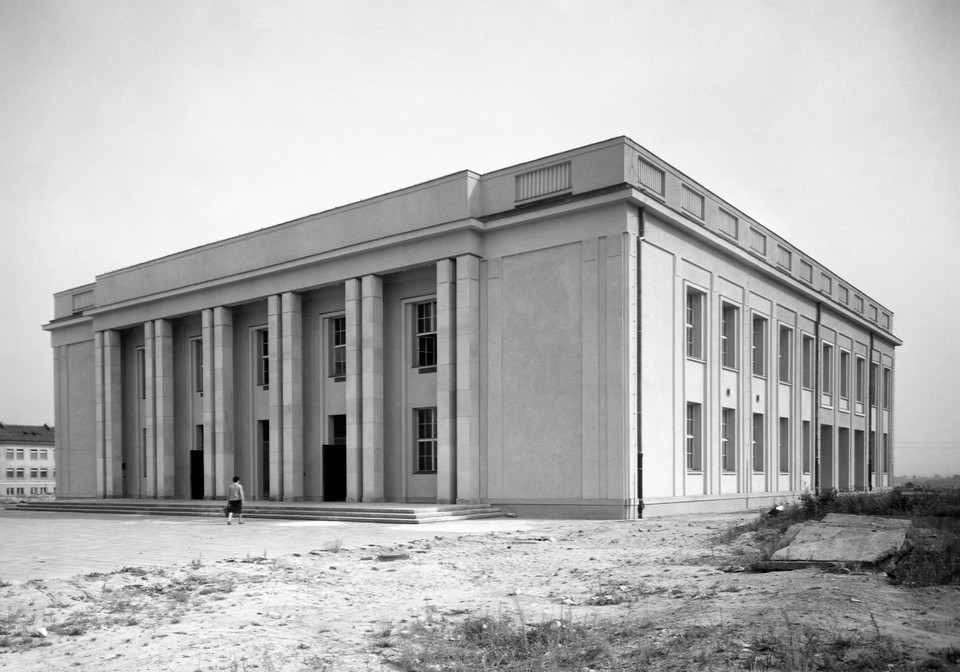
(826, 283)
(826, 369)
(43, 473)
(843, 294)
(858, 303)
(43, 454)
(874, 372)
(887, 456)
(10, 472)
(729, 324)
(651, 177)
(758, 443)
(844, 374)
(34, 454)
(758, 242)
(784, 445)
(19, 491)
(426, 334)
(785, 355)
(728, 439)
(196, 364)
(34, 473)
(861, 378)
(262, 354)
(887, 388)
(426, 440)
(20, 472)
(141, 373)
(691, 202)
(805, 445)
(694, 322)
(9, 491)
(784, 258)
(198, 437)
(10, 453)
(19, 453)
(694, 432)
(759, 346)
(728, 224)
(806, 271)
(338, 346)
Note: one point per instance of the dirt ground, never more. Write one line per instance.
(341, 608)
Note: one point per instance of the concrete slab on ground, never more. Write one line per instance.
(844, 538)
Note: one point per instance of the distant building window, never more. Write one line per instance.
(10, 453)
(826, 283)
(651, 177)
(19, 453)
(873, 313)
(805, 445)
(785, 355)
(695, 323)
(758, 242)
(887, 387)
(758, 428)
(806, 271)
(141, 373)
(729, 324)
(874, 372)
(9, 491)
(43, 473)
(34, 453)
(885, 320)
(262, 340)
(860, 381)
(759, 346)
(338, 346)
(858, 303)
(887, 453)
(426, 334)
(784, 445)
(694, 432)
(843, 294)
(692, 202)
(19, 472)
(43, 454)
(34, 473)
(784, 257)
(728, 439)
(728, 224)
(426, 440)
(11, 473)
(826, 369)
(844, 374)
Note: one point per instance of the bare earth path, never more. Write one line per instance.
(339, 608)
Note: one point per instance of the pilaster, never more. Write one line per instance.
(148, 486)
(275, 394)
(352, 295)
(468, 379)
(291, 347)
(446, 382)
(223, 395)
(372, 386)
(164, 421)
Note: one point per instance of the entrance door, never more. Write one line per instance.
(196, 474)
(334, 461)
(263, 439)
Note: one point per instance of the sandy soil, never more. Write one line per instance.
(339, 608)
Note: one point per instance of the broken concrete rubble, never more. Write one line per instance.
(842, 538)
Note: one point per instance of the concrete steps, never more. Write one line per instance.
(412, 514)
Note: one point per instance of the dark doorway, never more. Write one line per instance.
(334, 462)
(196, 474)
(263, 438)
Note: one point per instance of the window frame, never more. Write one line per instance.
(336, 346)
(694, 323)
(728, 440)
(805, 436)
(261, 355)
(758, 346)
(425, 350)
(887, 387)
(783, 445)
(758, 443)
(425, 444)
(826, 373)
(196, 364)
(844, 370)
(693, 437)
(729, 341)
(785, 355)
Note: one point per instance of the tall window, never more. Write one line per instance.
(887, 456)
(758, 443)
(694, 320)
(784, 445)
(844, 374)
(759, 346)
(196, 356)
(860, 381)
(141, 373)
(694, 432)
(874, 372)
(34, 453)
(805, 445)
(826, 367)
(887, 388)
(785, 354)
(338, 346)
(263, 357)
(426, 440)
(806, 364)
(728, 439)
(426, 334)
(729, 323)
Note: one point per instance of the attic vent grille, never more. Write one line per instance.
(543, 181)
(692, 202)
(651, 177)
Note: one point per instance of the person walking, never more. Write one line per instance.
(235, 500)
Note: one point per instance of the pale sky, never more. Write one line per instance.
(134, 129)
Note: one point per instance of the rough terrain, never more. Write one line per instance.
(349, 608)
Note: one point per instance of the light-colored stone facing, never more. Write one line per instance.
(372, 387)
(354, 393)
(446, 382)
(164, 419)
(468, 379)
(292, 382)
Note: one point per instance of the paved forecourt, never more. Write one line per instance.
(48, 545)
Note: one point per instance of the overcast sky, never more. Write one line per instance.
(134, 129)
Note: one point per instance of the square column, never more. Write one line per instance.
(108, 409)
(223, 404)
(163, 416)
(354, 394)
(468, 379)
(291, 348)
(209, 408)
(275, 394)
(148, 487)
(446, 382)
(371, 304)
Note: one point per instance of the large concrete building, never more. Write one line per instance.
(581, 335)
(28, 464)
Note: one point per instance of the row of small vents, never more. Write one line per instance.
(556, 178)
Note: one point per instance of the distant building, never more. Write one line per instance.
(571, 336)
(27, 460)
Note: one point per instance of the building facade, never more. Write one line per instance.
(586, 334)
(28, 464)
